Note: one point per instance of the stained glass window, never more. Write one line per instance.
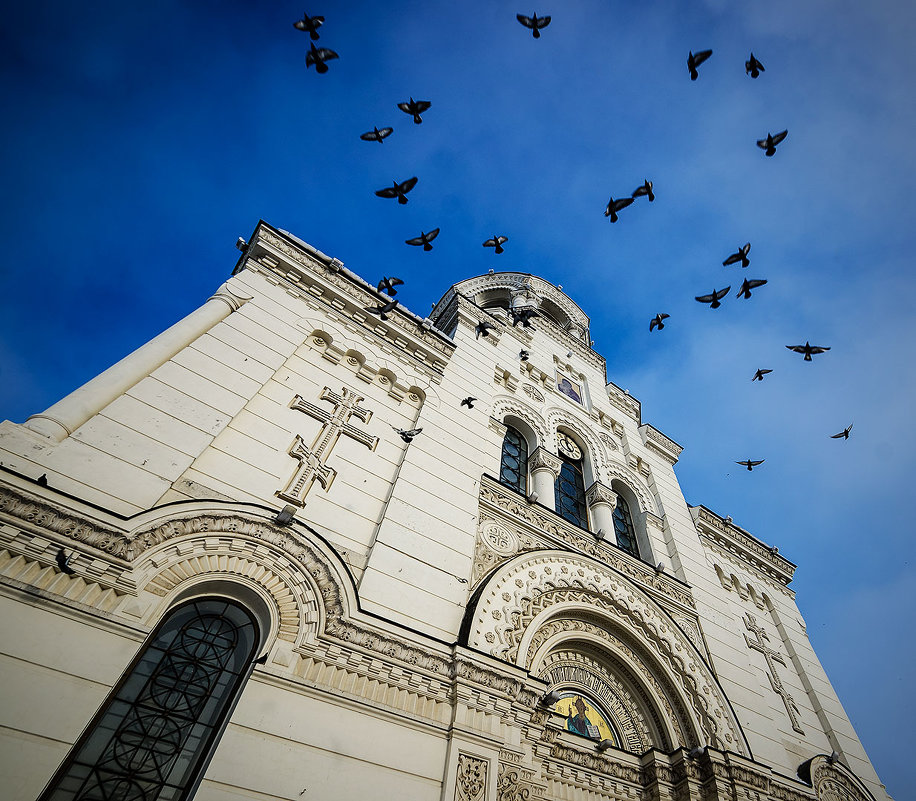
(154, 736)
(623, 528)
(513, 467)
(570, 492)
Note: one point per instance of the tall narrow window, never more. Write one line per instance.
(156, 732)
(513, 467)
(623, 528)
(570, 492)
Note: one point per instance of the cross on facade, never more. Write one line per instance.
(312, 459)
(771, 656)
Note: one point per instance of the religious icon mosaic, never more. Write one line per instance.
(583, 717)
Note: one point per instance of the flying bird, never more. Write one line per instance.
(758, 376)
(383, 309)
(524, 355)
(694, 60)
(753, 67)
(534, 22)
(387, 285)
(748, 285)
(63, 562)
(309, 24)
(376, 135)
(750, 464)
(645, 189)
(407, 435)
(844, 433)
(807, 349)
(317, 56)
(714, 298)
(522, 316)
(424, 239)
(657, 322)
(469, 402)
(496, 242)
(769, 144)
(398, 190)
(416, 108)
(42, 480)
(613, 206)
(739, 255)
(483, 328)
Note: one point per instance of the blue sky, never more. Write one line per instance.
(140, 140)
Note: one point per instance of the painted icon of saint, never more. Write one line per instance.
(579, 722)
(566, 387)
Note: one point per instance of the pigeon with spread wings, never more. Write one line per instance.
(613, 206)
(656, 322)
(714, 298)
(753, 67)
(398, 190)
(415, 108)
(758, 376)
(376, 134)
(769, 144)
(534, 23)
(317, 56)
(645, 189)
(522, 316)
(407, 434)
(694, 60)
(383, 309)
(387, 285)
(808, 349)
(424, 239)
(309, 24)
(844, 433)
(748, 285)
(739, 255)
(750, 464)
(497, 243)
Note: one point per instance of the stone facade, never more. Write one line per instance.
(419, 621)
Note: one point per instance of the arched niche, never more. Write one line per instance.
(532, 603)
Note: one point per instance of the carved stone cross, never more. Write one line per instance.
(771, 656)
(312, 458)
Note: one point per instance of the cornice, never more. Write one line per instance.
(653, 439)
(741, 545)
(624, 402)
(303, 273)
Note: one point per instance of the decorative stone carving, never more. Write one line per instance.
(509, 786)
(598, 493)
(504, 406)
(532, 392)
(833, 782)
(312, 460)
(499, 538)
(608, 441)
(471, 779)
(759, 643)
(541, 459)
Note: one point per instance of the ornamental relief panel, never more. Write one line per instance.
(520, 594)
(833, 782)
(471, 779)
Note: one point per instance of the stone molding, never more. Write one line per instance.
(517, 599)
(625, 402)
(599, 493)
(740, 545)
(542, 459)
(536, 528)
(653, 439)
(831, 780)
(508, 405)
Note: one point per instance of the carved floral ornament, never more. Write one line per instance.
(833, 781)
(532, 589)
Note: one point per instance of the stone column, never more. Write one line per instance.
(63, 418)
(544, 467)
(601, 502)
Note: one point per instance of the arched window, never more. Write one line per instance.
(154, 735)
(513, 467)
(570, 492)
(623, 528)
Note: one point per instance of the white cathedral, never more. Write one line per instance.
(271, 555)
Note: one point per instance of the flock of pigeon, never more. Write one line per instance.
(318, 56)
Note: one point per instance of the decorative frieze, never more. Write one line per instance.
(654, 439)
(471, 778)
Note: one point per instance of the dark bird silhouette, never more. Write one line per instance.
(750, 464)
(748, 285)
(657, 322)
(416, 108)
(483, 329)
(387, 285)
(694, 60)
(376, 135)
(753, 67)
(758, 376)
(844, 433)
(407, 435)
(383, 309)
(769, 144)
(714, 298)
(524, 355)
(522, 316)
(398, 190)
(808, 350)
(534, 22)
(613, 206)
(262, 659)
(42, 480)
(469, 402)
(739, 255)
(309, 24)
(496, 242)
(424, 239)
(317, 56)
(645, 189)
(63, 562)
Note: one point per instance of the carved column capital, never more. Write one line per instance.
(541, 459)
(599, 493)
